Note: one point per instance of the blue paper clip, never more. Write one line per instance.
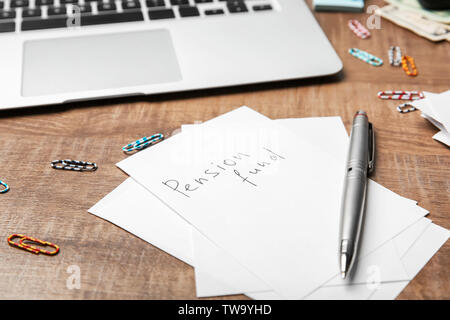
(406, 107)
(366, 57)
(143, 143)
(6, 187)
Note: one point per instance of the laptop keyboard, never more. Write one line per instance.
(25, 15)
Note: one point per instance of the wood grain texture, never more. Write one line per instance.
(52, 204)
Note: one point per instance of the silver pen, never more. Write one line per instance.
(360, 163)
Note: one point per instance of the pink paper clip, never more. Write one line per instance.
(400, 95)
(358, 29)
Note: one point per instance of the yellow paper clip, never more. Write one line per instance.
(413, 71)
(30, 248)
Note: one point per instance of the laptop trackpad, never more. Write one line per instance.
(107, 61)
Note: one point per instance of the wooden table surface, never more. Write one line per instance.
(52, 204)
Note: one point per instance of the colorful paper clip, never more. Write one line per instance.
(30, 248)
(366, 57)
(3, 187)
(400, 95)
(73, 165)
(405, 108)
(358, 29)
(143, 143)
(396, 60)
(413, 71)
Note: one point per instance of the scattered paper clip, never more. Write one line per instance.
(396, 60)
(413, 71)
(74, 165)
(358, 29)
(143, 143)
(4, 187)
(405, 108)
(30, 248)
(400, 95)
(366, 57)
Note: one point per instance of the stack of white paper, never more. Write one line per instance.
(253, 205)
(435, 108)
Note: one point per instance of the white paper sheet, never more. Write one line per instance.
(443, 137)
(397, 212)
(434, 108)
(422, 251)
(219, 267)
(130, 207)
(406, 239)
(440, 105)
(159, 228)
(388, 291)
(414, 260)
(186, 259)
(387, 214)
(253, 209)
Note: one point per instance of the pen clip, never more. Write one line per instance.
(371, 167)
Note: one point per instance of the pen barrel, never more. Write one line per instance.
(358, 152)
(352, 209)
(355, 187)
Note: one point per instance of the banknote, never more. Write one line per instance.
(428, 29)
(442, 16)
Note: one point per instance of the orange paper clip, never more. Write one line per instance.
(30, 248)
(413, 71)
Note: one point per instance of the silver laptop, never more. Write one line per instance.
(58, 51)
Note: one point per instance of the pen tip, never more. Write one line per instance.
(344, 265)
